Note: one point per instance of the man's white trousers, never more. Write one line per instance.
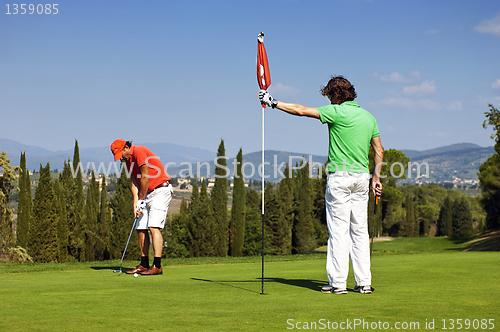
(346, 200)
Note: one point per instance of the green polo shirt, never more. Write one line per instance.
(351, 129)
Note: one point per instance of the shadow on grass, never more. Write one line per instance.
(484, 242)
(228, 283)
(314, 285)
(461, 240)
(110, 268)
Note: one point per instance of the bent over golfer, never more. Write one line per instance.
(351, 131)
(152, 193)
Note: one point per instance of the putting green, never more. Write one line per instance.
(226, 297)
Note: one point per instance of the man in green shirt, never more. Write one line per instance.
(351, 131)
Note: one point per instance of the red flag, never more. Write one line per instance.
(263, 75)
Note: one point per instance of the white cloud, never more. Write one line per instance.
(491, 26)
(416, 105)
(409, 104)
(432, 32)
(284, 90)
(429, 105)
(421, 89)
(455, 106)
(483, 101)
(414, 98)
(496, 84)
(397, 77)
(394, 77)
(397, 102)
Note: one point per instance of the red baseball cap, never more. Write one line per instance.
(117, 147)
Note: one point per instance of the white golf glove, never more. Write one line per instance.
(141, 205)
(266, 98)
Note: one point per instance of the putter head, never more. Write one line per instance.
(117, 271)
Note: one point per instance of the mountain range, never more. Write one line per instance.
(446, 163)
(36, 155)
(457, 162)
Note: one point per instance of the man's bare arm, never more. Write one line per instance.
(298, 110)
(378, 159)
(143, 188)
(135, 191)
(140, 188)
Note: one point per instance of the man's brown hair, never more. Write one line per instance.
(340, 88)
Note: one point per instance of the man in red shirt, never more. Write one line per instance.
(152, 193)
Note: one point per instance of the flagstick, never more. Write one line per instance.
(262, 292)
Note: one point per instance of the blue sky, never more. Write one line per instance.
(184, 72)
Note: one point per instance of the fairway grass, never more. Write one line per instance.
(225, 295)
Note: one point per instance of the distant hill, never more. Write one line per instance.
(36, 155)
(457, 163)
(277, 162)
(450, 163)
(449, 149)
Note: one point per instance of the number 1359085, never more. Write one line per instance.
(30, 9)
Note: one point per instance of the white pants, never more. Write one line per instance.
(346, 200)
(157, 203)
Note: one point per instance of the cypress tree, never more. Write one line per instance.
(74, 227)
(43, 233)
(410, 217)
(195, 235)
(78, 235)
(104, 218)
(7, 183)
(318, 188)
(273, 242)
(238, 210)
(62, 223)
(303, 231)
(176, 233)
(462, 218)
(122, 205)
(212, 229)
(219, 204)
(91, 213)
(489, 173)
(202, 226)
(445, 219)
(253, 224)
(285, 195)
(24, 204)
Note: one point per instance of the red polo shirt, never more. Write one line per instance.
(141, 155)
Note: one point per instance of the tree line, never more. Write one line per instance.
(295, 218)
(63, 223)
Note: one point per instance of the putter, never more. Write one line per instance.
(124, 251)
(373, 223)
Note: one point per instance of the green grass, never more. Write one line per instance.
(415, 245)
(416, 280)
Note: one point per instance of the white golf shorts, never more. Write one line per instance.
(157, 203)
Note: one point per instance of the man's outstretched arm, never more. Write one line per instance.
(298, 110)
(290, 108)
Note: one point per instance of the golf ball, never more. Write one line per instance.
(135, 275)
